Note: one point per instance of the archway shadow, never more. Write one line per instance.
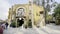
(20, 22)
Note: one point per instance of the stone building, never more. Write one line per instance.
(19, 11)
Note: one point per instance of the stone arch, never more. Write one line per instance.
(19, 8)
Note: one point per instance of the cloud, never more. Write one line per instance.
(12, 2)
(4, 6)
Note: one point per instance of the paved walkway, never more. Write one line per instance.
(20, 31)
(48, 29)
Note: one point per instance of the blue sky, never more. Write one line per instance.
(57, 1)
(6, 4)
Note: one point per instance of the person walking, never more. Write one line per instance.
(6, 25)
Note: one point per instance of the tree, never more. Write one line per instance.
(47, 6)
(57, 14)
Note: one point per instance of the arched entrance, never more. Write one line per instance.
(20, 16)
(20, 21)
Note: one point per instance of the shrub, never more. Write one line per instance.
(13, 24)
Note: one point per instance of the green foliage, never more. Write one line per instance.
(13, 24)
(49, 17)
(29, 24)
(57, 14)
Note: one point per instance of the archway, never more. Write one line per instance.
(20, 21)
(20, 14)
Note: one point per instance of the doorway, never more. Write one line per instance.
(20, 21)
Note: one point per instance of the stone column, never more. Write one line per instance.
(31, 11)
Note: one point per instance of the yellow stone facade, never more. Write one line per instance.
(38, 14)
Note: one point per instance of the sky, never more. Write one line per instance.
(6, 4)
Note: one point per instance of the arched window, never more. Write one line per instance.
(20, 12)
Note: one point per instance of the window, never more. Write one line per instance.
(41, 12)
(20, 12)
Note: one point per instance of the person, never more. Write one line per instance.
(6, 25)
(1, 30)
(3, 25)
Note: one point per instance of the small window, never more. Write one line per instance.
(41, 12)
